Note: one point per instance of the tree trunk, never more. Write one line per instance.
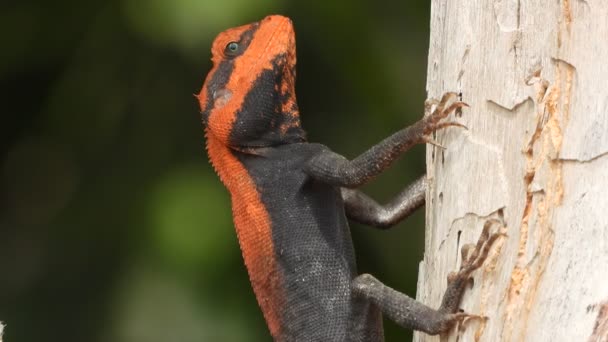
(535, 155)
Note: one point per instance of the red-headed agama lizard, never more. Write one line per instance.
(291, 198)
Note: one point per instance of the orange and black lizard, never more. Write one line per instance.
(291, 198)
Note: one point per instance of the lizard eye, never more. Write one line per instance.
(232, 49)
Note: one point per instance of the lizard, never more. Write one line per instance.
(291, 199)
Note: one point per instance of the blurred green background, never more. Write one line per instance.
(113, 226)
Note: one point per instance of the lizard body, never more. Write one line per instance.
(291, 198)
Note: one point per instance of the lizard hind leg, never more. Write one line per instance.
(412, 314)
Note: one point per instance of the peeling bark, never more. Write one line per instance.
(535, 155)
(600, 330)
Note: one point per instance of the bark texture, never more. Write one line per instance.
(535, 156)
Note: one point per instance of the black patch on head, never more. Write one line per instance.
(261, 120)
(222, 75)
(218, 81)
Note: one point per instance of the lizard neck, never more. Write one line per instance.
(253, 229)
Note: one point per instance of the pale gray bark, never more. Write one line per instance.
(536, 155)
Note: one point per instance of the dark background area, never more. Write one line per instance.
(113, 225)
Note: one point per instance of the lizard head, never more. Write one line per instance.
(248, 98)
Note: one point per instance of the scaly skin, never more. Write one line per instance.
(291, 199)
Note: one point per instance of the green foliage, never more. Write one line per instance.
(188, 24)
(190, 218)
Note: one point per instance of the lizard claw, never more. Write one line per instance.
(433, 142)
(459, 318)
(463, 318)
(435, 111)
(447, 97)
(441, 125)
(429, 104)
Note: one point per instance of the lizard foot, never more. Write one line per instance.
(473, 257)
(437, 110)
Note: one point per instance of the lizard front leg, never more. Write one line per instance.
(364, 209)
(412, 314)
(332, 168)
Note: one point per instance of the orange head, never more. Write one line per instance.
(248, 99)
